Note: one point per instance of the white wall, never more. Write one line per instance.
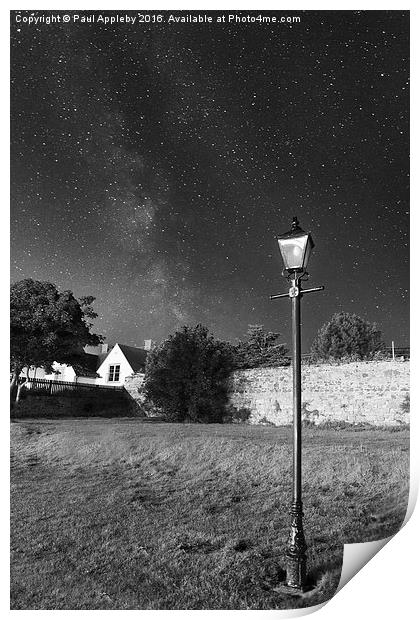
(40, 373)
(116, 356)
(87, 380)
(66, 374)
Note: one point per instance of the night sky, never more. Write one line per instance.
(152, 165)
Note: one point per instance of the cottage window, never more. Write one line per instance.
(114, 373)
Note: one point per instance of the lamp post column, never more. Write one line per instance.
(296, 556)
(295, 247)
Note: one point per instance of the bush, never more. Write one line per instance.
(347, 337)
(405, 405)
(186, 376)
(265, 422)
(237, 416)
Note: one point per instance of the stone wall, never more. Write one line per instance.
(359, 392)
(133, 385)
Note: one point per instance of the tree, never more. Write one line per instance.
(346, 335)
(186, 376)
(260, 349)
(47, 326)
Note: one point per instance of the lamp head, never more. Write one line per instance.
(295, 247)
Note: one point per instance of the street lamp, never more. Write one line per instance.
(295, 248)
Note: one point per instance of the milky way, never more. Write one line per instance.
(153, 164)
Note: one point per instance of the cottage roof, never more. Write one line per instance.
(135, 357)
(101, 358)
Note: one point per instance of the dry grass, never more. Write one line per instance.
(125, 514)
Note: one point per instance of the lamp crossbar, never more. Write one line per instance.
(302, 291)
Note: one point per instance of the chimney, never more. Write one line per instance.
(147, 345)
(104, 348)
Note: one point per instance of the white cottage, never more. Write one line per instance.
(99, 366)
(121, 362)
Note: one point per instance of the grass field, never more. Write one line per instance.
(125, 514)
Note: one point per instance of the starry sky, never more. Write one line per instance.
(152, 165)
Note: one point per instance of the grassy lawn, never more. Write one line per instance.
(125, 514)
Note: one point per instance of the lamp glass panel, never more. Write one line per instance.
(309, 246)
(293, 252)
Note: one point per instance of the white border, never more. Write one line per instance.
(386, 587)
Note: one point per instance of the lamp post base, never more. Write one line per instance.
(296, 568)
(296, 556)
(284, 588)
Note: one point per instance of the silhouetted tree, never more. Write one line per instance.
(346, 335)
(260, 349)
(47, 326)
(186, 376)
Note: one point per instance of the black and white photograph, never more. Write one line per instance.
(209, 304)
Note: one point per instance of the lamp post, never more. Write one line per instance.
(295, 248)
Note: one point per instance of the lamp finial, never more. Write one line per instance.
(295, 223)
